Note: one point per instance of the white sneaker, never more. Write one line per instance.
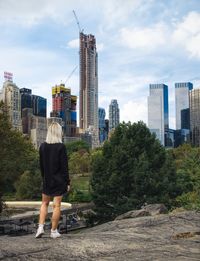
(40, 232)
(55, 234)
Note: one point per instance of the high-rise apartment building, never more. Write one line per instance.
(64, 107)
(37, 103)
(182, 90)
(38, 130)
(113, 114)
(158, 115)
(102, 125)
(88, 98)
(194, 104)
(11, 97)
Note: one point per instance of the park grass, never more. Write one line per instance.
(80, 182)
(80, 188)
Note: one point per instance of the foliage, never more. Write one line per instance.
(80, 191)
(29, 185)
(131, 169)
(19, 161)
(188, 172)
(76, 146)
(79, 162)
(16, 154)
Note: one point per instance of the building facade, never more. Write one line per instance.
(113, 114)
(182, 90)
(39, 105)
(88, 93)
(102, 125)
(12, 99)
(38, 130)
(194, 104)
(64, 107)
(158, 113)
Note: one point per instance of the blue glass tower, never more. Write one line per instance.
(39, 105)
(102, 125)
(158, 112)
(25, 98)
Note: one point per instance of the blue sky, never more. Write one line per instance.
(139, 42)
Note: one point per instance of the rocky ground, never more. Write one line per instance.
(149, 236)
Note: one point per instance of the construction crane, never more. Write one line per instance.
(71, 74)
(79, 28)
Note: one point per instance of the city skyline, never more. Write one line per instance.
(138, 43)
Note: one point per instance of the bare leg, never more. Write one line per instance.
(56, 212)
(44, 208)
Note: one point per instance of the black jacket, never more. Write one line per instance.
(54, 168)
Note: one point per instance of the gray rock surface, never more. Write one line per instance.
(147, 210)
(161, 237)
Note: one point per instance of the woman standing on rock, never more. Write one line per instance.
(55, 176)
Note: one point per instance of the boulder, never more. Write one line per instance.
(160, 237)
(133, 214)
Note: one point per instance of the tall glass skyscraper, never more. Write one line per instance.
(181, 100)
(158, 114)
(113, 114)
(102, 125)
(194, 103)
(39, 105)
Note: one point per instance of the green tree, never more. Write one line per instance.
(132, 168)
(76, 146)
(79, 162)
(29, 185)
(188, 174)
(17, 154)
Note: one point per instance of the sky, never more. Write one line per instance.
(138, 42)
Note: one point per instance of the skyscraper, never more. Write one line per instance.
(158, 115)
(113, 114)
(194, 103)
(37, 103)
(64, 107)
(181, 100)
(88, 98)
(102, 125)
(11, 97)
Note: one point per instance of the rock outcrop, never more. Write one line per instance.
(174, 236)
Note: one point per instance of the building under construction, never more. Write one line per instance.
(64, 107)
(88, 99)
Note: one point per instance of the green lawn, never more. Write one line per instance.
(80, 189)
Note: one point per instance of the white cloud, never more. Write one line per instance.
(73, 43)
(145, 37)
(134, 111)
(100, 47)
(187, 34)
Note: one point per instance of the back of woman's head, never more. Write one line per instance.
(54, 133)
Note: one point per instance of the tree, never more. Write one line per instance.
(188, 175)
(17, 154)
(76, 146)
(132, 168)
(29, 185)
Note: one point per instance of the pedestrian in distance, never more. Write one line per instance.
(55, 177)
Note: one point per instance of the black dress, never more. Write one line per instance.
(54, 168)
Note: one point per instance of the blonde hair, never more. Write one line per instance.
(54, 133)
